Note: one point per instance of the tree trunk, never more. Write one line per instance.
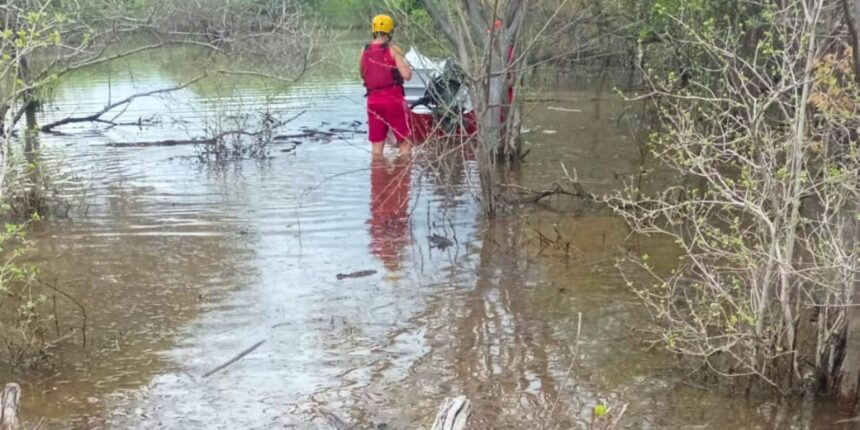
(482, 51)
(30, 117)
(850, 372)
(487, 173)
(849, 378)
(488, 100)
(29, 99)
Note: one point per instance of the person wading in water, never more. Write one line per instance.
(384, 69)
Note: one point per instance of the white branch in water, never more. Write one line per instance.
(9, 399)
(454, 414)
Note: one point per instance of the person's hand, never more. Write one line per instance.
(402, 66)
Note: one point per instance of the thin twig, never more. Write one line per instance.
(77, 303)
(573, 362)
(234, 359)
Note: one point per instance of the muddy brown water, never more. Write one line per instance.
(181, 267)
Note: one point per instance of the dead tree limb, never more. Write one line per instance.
(194, 141)
(155, 143)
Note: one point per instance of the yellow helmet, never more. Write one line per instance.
(383, 24)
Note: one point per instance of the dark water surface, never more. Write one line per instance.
(181, 267)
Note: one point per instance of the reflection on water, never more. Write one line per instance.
(389, 209)
(181, 267)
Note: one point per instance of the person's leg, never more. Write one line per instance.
(399, 117)
(377, 129)
(405, 147)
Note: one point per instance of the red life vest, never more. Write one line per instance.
(379, 70)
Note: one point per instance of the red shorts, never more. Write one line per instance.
(385, 114)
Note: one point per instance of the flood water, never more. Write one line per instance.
(182, 266)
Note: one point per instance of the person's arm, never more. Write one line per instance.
(402, 65)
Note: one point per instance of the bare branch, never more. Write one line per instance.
(97, 115)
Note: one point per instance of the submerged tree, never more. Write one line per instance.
(483, 36)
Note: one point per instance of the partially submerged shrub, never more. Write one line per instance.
(22, 327)
(239, 136)
(763, 145)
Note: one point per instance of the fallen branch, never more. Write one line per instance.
(347, 130)
(293, 136)
(453, 414)
(578, 188)
(168, 142)
(556, 189)
(9, 399)
(359, 274)
(535, 196)
(205, 140)
(139, 123)
(232, 360)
